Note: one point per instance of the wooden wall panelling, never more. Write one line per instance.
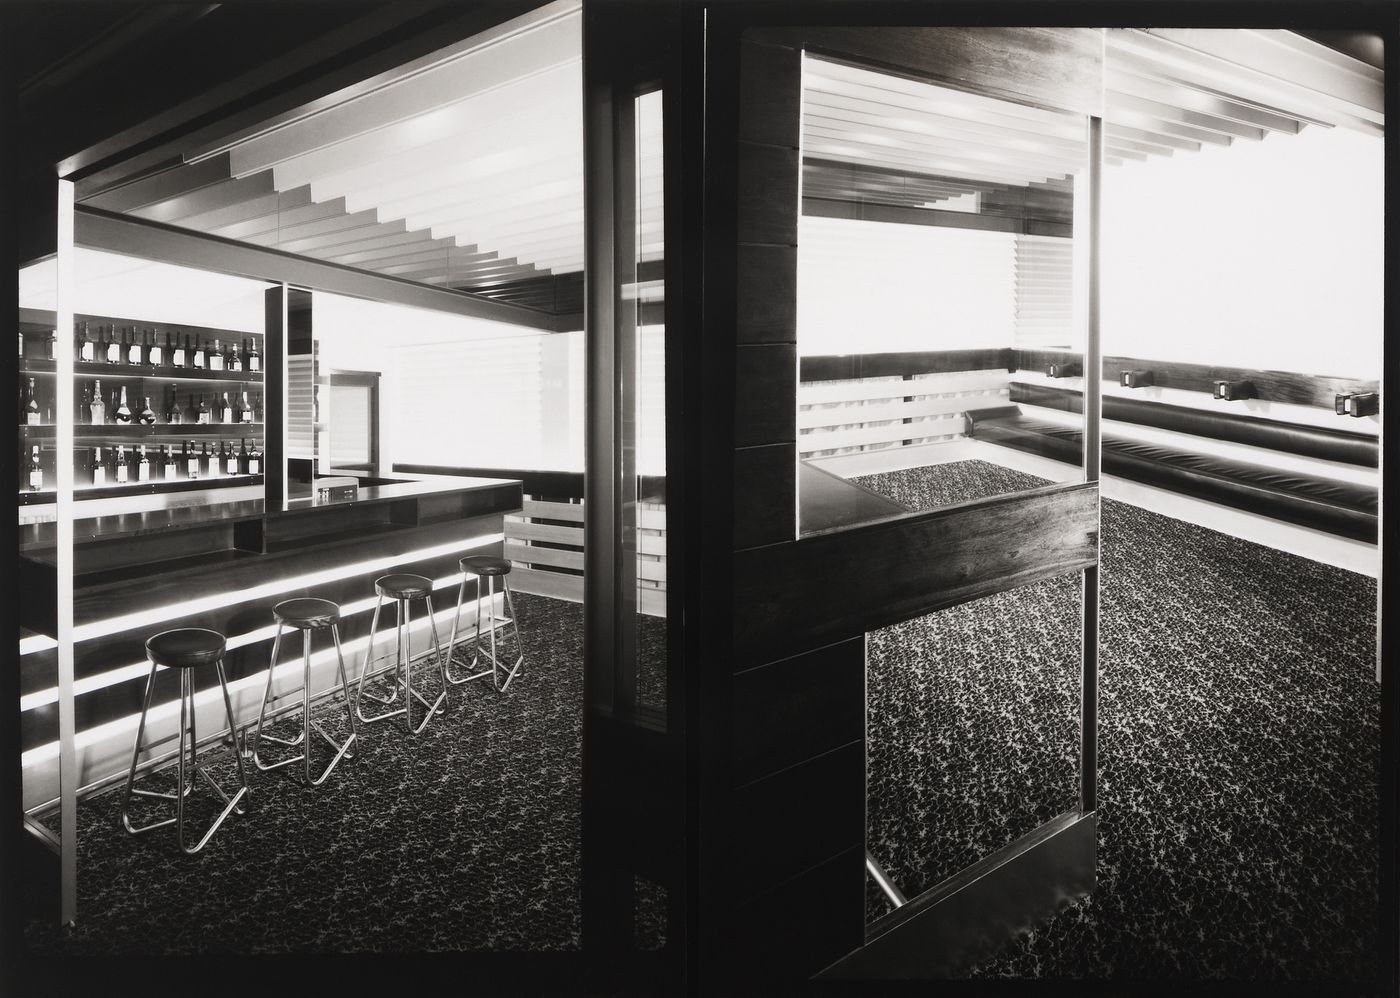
(768, 182)
(767, 294)
(790, 595)
(765, 392)
(888, 365)
(765, 486)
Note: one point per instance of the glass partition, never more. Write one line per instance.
(939, 315)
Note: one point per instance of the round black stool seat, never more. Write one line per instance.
(306, 613)
(480, 564)
(186, 647)
(403, 586)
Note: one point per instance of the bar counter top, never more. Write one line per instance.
(151, 514)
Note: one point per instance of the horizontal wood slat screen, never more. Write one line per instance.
(838, 416)
(557, 571)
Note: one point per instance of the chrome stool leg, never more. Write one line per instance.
(452, 639)
(515, 626)
(258, 734)
(135, 757)
(230, 803)
(360, 693)
(345, 688)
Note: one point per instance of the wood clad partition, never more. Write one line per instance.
(786, 850)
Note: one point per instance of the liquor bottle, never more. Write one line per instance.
(51, 344)
(121, 477)
(115, 345)
(143, 467)
(136, 348)
(96, 409)
(245, 411)
(36, 471)
(198, 360)
(29, 414)
(216, 357)
(254, 358)
(225, 410)
(167, 459)
(98, 468)
(257, 407)
(192, 412)
(230, 459)
(191, 460)
(255, 460)
(21, 345)
(148, 415)
(87, 350)
(48, 412)
(208, 466)
(204, 414)
(123, 414)
(235, 362)
(156, 355)
(180, 356)
(243, 457)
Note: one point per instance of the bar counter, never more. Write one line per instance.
(219, 559)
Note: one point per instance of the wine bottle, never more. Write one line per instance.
(48, 412)
(254, 358)
(51, 344)
(204, 414)
(167, 458)
(207, 465)
(192, 413)
(225, 410)
(122, 414)
(96, 409)
(255, 460)
(191, 460)
(156, 356)
(180, 356)
(98, 468)
(245, 411)
(86, 348)
(257, 407)
(148, 415)
(136, 349)
(230, 459)
(243, 457)
(36, 471)
(121, 478)
(115, 346)
(198, 361)
(216, 357)
(235, 362)
(30, 415)
(143, 467)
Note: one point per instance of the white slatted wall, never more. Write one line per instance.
(1044, 291)
(843, 417)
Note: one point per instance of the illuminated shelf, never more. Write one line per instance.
(136, 431)
(129, 372)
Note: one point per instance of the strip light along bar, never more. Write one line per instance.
(158, 616)
(136, 670)
(91, 736)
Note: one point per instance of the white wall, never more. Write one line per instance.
(873, 287)
(1263, 254)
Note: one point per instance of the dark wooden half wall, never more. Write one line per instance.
(786, 836)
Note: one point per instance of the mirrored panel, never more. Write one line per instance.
(939, 308)
(972, 734)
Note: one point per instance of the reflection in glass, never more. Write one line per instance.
(938, 312)
(649, 299)
(972, 727)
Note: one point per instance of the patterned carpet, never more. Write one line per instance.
(1239, 740)
(465, 837)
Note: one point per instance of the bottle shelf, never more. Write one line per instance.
(137, 431)
(89, 491)
(129, 372)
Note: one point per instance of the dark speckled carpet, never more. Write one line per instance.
(1239, 745)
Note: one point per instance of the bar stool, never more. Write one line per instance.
(490, 569)
(403, 590)
(305, 614)
(186, 649)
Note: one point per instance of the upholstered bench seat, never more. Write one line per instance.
(1343, 508)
